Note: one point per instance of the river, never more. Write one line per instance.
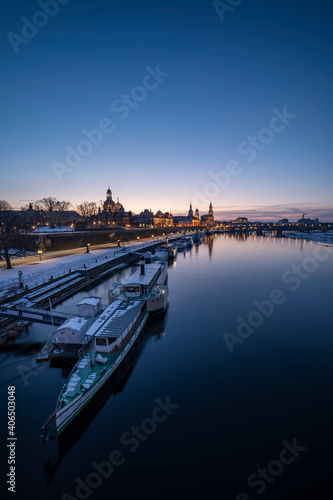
(228, 395)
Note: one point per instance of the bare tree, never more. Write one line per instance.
(11, 232)
(63, 206)
(85, 239)
(4, 206)
(48, 204)
(87, 209)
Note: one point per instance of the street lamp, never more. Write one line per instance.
(40, 254)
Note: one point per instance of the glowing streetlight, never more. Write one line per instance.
(40, 254)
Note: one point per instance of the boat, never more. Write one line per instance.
(208, 233)
(189, 241)
(148, 257)
(196, 238)
(170, 249)
(184, 242)
(69, 340)
(160, 255)
(147, 284)
(111, 337)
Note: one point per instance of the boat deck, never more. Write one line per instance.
(120, 294)
(85, 375)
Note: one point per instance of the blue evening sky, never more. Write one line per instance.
(222, 80)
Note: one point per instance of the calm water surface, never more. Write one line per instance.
(236, 400)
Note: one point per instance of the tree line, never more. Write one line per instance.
(15, 224)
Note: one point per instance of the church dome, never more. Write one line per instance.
(118, 206)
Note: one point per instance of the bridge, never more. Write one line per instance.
(35, 315)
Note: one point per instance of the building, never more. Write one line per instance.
(196, 218)
(283, 222)
(182, 221)
(163, 220)
(240, 220)
(208, 219)
(143, 219)
(113, 213)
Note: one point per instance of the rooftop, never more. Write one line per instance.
(115, 319)
(75, 324)
(143, 279)
(92, 301)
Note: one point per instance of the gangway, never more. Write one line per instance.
(34, 315)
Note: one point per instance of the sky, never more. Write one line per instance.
(167, 102)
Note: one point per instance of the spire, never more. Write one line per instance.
(190, 212)
(210, 212)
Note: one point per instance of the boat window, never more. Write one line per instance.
(100, 341)
(111, 340)
(132, 289)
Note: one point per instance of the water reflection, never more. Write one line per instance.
(210, 241)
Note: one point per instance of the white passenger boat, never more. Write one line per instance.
(147, 284)
(111, 336)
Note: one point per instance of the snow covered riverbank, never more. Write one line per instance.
(319, 237)
(34, 274)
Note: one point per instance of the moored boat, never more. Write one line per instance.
(147, 284)
(170, 249)
(196, 238)
(111, 336)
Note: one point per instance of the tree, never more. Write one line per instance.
(63, 206)
(11, 233)
(87, 209)
(48, 204)
(85, 239)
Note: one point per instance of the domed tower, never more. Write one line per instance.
(108, 204)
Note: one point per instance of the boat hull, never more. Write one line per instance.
(66, 414)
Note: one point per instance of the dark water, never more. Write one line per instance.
(232, 413)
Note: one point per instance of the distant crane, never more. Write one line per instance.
(303, 216)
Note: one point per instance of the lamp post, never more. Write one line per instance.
(40, 255)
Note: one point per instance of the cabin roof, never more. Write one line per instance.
(92, 301)
(120, 320)
(143, 279)
(75, 324)
(115, 319)
(102, 318)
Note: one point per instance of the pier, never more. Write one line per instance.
(29, 298)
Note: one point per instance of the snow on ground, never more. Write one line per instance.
(39, 272)
(319, 237)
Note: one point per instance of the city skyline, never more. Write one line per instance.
(169, 103)
(258, 213)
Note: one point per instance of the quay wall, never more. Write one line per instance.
(78, 239)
